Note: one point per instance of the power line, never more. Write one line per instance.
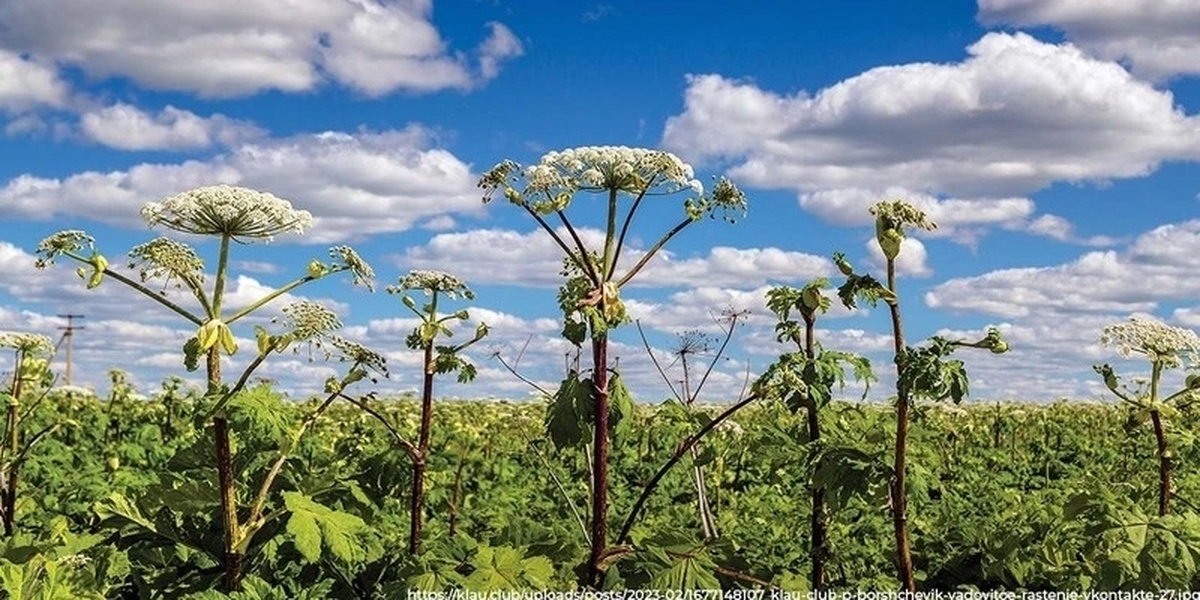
(68, 336)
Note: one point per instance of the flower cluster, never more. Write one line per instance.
(1159, 342)
(168, 259)
(433, 281)
(309, 320)
(891, 217)
(898, 214)
(556, 178)
(347, 258)
(226, 210)
(69, 240)
(358, 353)
(30, 344)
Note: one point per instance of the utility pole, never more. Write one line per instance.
(68, 336)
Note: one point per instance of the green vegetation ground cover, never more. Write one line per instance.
(1003, 496)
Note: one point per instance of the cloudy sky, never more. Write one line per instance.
(1055, 142)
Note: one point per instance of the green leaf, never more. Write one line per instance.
(574, 331)
(313, 525)
(191, 354)
(620, 407)
(306, 535)
(568, 418)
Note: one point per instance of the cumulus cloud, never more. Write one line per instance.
(1158, 266)
(226, 48)
(1156, 39)
(128, 127)
(355, 185)
(976, 136)
(26, 83)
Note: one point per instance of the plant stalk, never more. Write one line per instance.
(599, 456)
(899, 499)
(231, 559)
(818, 519)
(1164, 464)
(417, 506)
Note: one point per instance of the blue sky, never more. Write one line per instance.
(1055, 142)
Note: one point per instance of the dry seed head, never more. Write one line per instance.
(238, 212)
(1154, 339)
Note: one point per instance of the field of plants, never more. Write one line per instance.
(231, 490)
(122, 503)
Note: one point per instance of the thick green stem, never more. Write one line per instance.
(1160, 438)
(419, 461)
(818, 519)
(599, 457)
(899, 498)
(1164, 464)
(231, 559)
(610, 237)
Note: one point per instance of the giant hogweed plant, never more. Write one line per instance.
(436, 359)
(31, 378)
(924, 372)
(269, 435)
(229, 214)
(1165, 347)
(591, 299)
(804, 379)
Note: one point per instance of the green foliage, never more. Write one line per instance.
(569, 417)
(313, 526)
(1003, 497)
(926, 373)
(1132, 550)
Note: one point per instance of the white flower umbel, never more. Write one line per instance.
(29, 344)
(1157, 341)
(224, 210)
(433, 282)
(552, 183)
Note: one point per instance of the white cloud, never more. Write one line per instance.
(501, 45)
(1058, 228)
(1157, 39)
(533, 259)
(354, 184)
(128, 127)
(26, 84)
(960, 219)
(1013, 117)
(1158, 266)
(226, 48)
